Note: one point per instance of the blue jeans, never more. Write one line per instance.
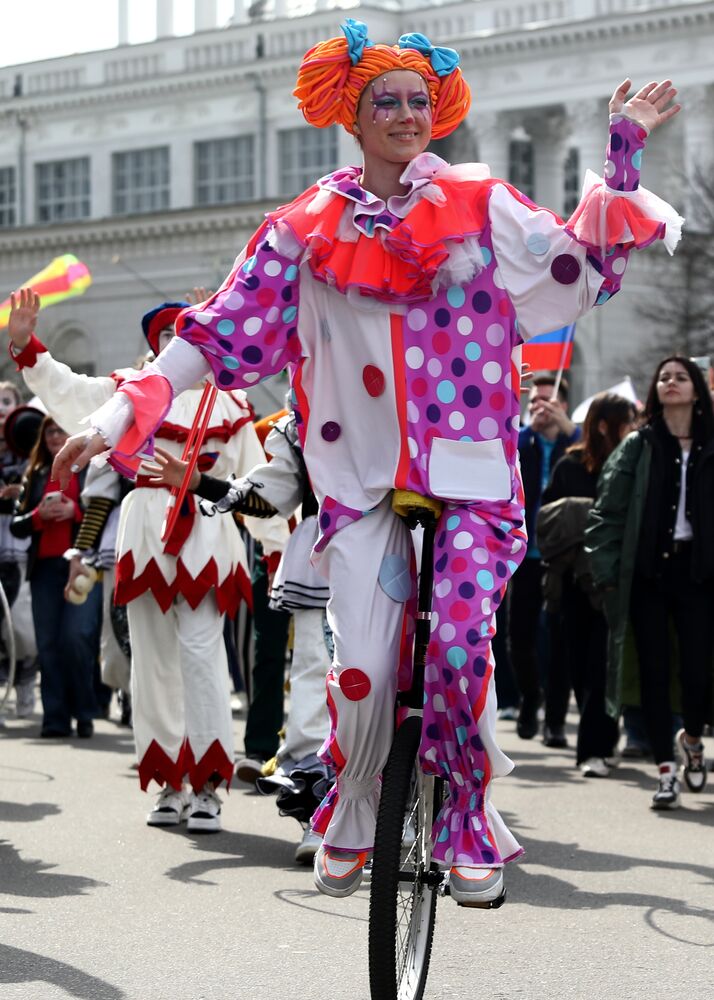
(67, 645)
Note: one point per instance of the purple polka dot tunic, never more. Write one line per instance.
(401, 324)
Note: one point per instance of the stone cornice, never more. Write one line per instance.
(111, 232)
(572, 35)
(644, 25)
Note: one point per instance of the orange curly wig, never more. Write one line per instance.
(329, 85)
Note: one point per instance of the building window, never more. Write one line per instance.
(225, 170)
(305, 155)
(520, 165)
(62, 190)
(141, 180)
(571, 193)
(7, 196)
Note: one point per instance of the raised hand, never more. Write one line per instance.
(198, 295)
(24, 307)
(648, 106)
(167, 470)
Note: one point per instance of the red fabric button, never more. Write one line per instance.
(354, 684)
(373, 379)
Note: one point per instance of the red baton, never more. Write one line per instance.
(191, 450)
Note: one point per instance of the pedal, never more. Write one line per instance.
(493, 904)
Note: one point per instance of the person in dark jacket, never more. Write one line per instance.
(540, 445)
(651, 544)
(584, 628)
(67, 634)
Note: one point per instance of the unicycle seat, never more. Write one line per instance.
(409, 504)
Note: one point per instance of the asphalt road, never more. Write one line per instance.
(611, 899)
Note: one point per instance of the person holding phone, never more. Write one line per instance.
(651, 543)
(67, 634)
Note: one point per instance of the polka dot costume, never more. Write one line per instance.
(401, 323)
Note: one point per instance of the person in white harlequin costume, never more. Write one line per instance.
(282, 486)
(176, 599)
(399, 292)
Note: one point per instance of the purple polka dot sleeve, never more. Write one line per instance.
(623, 162)
(248, 329)
(623, 159)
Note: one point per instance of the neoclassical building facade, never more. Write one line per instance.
(153, 163)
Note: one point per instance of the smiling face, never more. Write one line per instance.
(394, 117)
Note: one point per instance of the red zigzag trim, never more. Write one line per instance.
(229, 594)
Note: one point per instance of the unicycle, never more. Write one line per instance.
(405, 881)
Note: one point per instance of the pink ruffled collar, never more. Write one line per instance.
(371, 212)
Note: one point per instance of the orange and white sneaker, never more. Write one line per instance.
(339, 872)
(481, 887)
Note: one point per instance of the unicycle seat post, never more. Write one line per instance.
(416, 509)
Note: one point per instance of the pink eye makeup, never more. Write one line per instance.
(387, 103)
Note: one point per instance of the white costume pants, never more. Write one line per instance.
(180, 692)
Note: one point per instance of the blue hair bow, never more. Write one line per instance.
(443, 61)
(356, 34)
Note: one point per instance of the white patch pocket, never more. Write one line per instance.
(469, 470)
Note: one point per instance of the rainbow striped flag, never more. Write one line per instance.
(551, 351)
(63, 278)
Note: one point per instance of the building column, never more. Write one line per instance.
(493, 134)
(698, 153)
(240, 12)
(164, 18)
(205, 15)
(588, 125)
(549, 132)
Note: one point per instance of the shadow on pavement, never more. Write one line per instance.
(242, 850)
(547, 890)
(16, 812)
(18, 966)
(119, 741)
(304, 898)
(33, 878)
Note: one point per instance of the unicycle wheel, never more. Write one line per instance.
(405, 881)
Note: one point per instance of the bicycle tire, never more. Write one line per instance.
(399, 956)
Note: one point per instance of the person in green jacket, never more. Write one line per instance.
(650, 538)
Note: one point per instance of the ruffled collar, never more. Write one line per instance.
(370, 212)
(432, 242)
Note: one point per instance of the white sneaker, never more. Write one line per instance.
(205, 812)
(668, 791)
(170, 809)
(479, 887)
(594, 767)
(307, 848)
(25, 699)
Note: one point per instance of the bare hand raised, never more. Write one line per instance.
(648, 106)
(24, 307)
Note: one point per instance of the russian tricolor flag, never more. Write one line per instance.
(553, 351)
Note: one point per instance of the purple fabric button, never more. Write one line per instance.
(331, 430)
(565, 269)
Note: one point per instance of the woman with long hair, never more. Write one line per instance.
(67, 634)
(579, 624)
(651, 544)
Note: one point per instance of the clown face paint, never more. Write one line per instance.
(394, 117)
